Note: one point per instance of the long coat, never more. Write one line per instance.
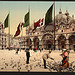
(28, 54)
(46, 56)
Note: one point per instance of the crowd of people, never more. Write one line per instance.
(46, 55)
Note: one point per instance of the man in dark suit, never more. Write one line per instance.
(27, 55)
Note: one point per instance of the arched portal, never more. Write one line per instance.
(47, 40)
(36, 42)
(61, 42)
(49, 44)
(72, 42)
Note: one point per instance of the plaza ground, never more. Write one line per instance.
(12, 62)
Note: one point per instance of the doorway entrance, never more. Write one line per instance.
(74, 46)
(49, 46)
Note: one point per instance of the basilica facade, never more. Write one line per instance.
(65, 31)
(43, 37)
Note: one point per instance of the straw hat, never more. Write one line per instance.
(64, 49)
(50, 51)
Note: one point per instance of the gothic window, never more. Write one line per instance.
(37, 33)
(63, 26)
(62, 31)
(49, 37)
(5, 38)
(72, 29)
(2, 38)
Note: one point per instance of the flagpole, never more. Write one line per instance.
(9, 31)
(26, 30)
(21, 36)
(54, 25)
(2, 38)
(21, 29)
(29, 25)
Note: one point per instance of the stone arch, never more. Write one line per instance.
(47, 40)
(69, 35)
(36, 42)
(72, 41)
(61, 41)
(57, 37)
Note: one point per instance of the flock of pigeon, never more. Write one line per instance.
(12, 62)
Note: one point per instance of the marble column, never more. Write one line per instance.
(32, 44)
(56, 44)
(67, 44)
(40, 44)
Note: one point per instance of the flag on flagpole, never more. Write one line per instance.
(42, 21)
(48, 16)
(19, 28)
(6, 22)
(2, 26)
(22, 25)
(38, 24)
(26, 20)
(18, 31)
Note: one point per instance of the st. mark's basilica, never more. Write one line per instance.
(43, 37)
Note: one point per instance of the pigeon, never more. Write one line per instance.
(6, 64)
(2, 68)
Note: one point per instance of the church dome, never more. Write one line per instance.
(60, 12)
(67, 13)
(60, 16)
(63, 17)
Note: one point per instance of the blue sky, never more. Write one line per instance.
(38, 9)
